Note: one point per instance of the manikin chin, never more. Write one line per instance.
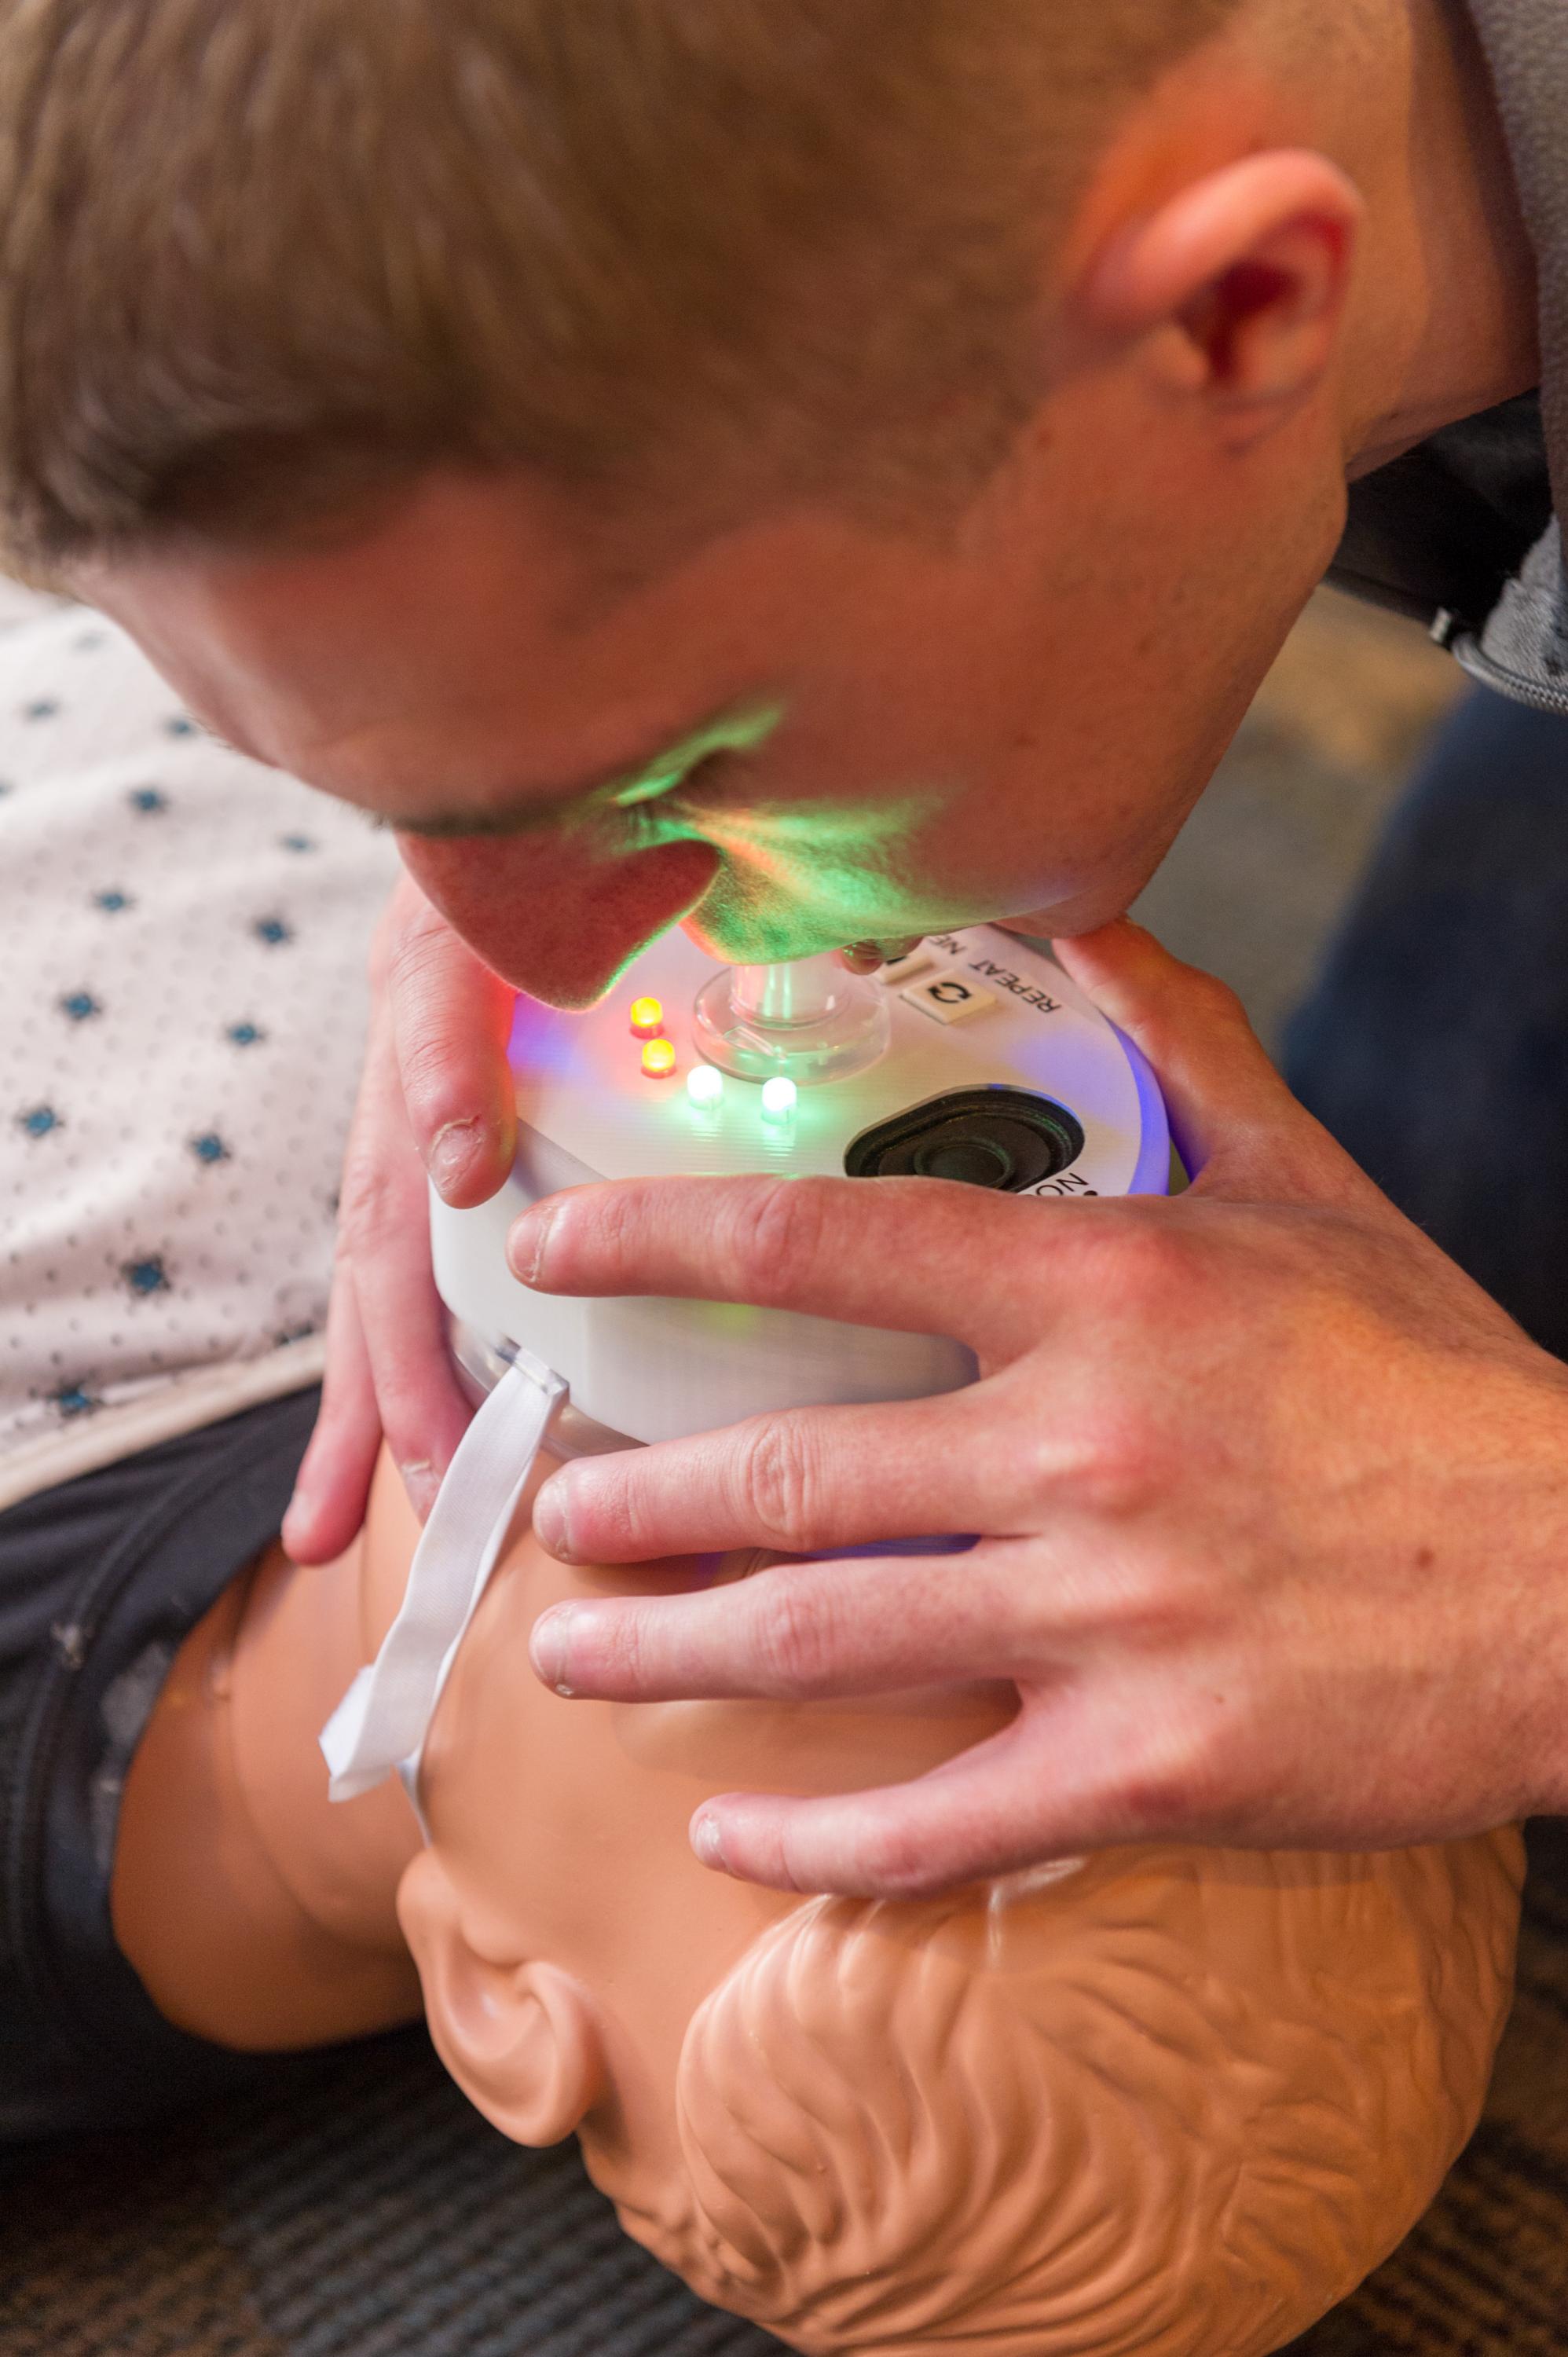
(1168, 2100)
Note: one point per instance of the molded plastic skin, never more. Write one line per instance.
(1174, 2100)
(1171, 2103)
(658, 1370)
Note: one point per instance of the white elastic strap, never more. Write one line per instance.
(383, 1720)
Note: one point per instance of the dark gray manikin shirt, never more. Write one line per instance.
(1460, 530)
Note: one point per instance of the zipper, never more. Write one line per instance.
(1539, 694)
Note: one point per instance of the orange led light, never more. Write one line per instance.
(659, 1059)
(647, 1017)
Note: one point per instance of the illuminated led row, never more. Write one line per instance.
(704, 1083)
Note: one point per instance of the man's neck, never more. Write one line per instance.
(1444, 317)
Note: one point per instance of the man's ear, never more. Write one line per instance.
(1237, 282)
(520, 2040)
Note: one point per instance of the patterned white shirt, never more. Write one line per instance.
(183, 938)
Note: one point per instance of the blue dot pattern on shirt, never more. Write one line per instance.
(173, 1106)
(74, 1399)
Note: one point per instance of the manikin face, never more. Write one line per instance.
(802, 734)
(1172, 2100)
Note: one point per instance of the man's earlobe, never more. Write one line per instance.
(520, 2039)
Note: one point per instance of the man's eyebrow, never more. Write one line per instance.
(659, 772)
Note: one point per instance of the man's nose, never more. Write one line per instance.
(558, 925)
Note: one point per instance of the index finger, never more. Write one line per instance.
(451, 1018)
(914, 1255)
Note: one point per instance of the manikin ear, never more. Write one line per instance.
(520, 2040)
(1236, 285)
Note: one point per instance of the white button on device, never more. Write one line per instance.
(899, 971)
(950, 998)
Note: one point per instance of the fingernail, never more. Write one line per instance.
(419, 1481)
(550, 1647)
(708, 1841)
(525, 1245)
(451, 1152)
(553, 1519)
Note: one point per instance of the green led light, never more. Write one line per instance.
(705, 1086)
(779, 1101)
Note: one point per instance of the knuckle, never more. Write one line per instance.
(605, 1224)
(614, 1522)
(897, 1863)
(1176, 1782)
(403, 912)
(423, 960)
(1212, 1002)
(791, 1642)
(777, 1229)
(1146, 1264)
(1122, 1472)
(1107, 1459)
(621, 1652)
(778, 1484)
(372, 1206)
(793, 1634)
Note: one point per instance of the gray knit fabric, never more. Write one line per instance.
(1526, 43)
(1523, 649)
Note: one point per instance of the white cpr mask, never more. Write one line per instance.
(382, 1721)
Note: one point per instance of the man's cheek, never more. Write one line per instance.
(557, 925)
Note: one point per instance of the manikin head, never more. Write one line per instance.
(819, 473)
(1179, 2100)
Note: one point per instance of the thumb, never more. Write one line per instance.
(1236, 1126)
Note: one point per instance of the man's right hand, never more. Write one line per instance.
(437, 1096)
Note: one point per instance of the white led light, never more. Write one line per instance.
(779, 1101)
(705, 1086)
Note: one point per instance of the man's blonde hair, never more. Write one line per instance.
(257, 256)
